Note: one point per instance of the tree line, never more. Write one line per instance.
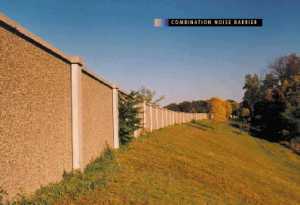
(271, 103)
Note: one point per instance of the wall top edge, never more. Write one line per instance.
(99, 78)
(35, 38)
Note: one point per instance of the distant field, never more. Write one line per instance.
(201, 163)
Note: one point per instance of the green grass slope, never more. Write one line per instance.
(203, 163)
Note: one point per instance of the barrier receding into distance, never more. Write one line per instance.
(154, 117)
(55, 114)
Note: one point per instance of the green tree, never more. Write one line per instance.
(147, 95)
(128, 116)
(252, 89)
(186, 106)
(200, 106)
(173, 106)
(275, 100)
(197, 106)
(235, 106)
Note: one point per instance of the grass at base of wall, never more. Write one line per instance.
(194, 163)
(74, 184)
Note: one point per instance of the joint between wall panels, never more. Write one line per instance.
(151, 118)
(157, 118)
(144, 115)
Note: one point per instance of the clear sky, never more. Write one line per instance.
(118, 41)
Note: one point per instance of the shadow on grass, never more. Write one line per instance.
(200, 125)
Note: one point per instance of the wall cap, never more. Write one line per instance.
(76, 60)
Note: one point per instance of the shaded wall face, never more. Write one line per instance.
(97, 118)
(35, 115)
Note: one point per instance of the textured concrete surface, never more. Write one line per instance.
(97, 118)
(156, 118)
(35, 115)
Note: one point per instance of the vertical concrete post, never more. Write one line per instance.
(165, 118)
(144, 114)
(156, 119)
(180, 114)
(137, 132)
(181, 118)
(173, 118)
(76, 112)
(162, 112)
(151, 118)
(115, 101)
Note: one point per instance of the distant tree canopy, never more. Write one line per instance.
(147, 95)
(235, 107)
(273, 101)
(199, 106)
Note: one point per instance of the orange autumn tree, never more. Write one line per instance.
(220, 109)
(228, 109)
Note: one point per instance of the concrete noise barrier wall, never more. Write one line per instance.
(55, 114)
(153, 118)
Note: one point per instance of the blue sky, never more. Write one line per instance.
(118, 41)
